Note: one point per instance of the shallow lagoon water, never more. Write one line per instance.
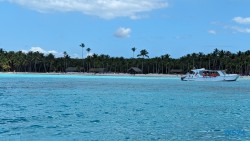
(76, 107)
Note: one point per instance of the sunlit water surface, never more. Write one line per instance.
(71, 107)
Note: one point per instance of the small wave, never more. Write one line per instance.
(4, 131)
(18, 119)
(65, 115)
(36, 126)
(95, 121)
(80, 115)
(52, 127)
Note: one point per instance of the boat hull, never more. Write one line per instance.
(231, 77)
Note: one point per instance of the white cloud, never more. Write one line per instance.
(212, 32)
(241, 20)
(106, 9)
(240, 29)
(52, 51)
(25, 51)
(123, 32)
(39, 49)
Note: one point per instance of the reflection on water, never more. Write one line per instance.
(54, 107)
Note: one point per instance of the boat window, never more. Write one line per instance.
(223, 72)
(217, 74)
(192, 72)
(201, 72)
(214, 74)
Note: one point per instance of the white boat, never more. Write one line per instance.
(209, 75)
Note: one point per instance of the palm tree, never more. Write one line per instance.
(51, 59)
(88, 64)
(37, 56)
(166, 58)
(66, 58)
(215, 55)
(82, 46)
(201, 57)
(133, 49)
(19, 60)
(5, 64)
(143, 53)
(88, 50)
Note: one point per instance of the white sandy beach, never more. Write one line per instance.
(97, 74)
(105, 74)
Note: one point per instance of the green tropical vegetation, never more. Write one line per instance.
(19, 61)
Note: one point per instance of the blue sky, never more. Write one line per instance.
(113, 27)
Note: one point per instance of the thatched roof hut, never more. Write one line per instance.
(74, 69)
(134, 70)
(176, 71)
(71, 69)
(97, 70)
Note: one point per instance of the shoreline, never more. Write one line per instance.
(105, 74)
(96, 74)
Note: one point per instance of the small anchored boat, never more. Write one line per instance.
(209, 75)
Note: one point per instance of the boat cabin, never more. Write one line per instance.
(208, 73)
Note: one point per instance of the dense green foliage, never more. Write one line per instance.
(38, 62)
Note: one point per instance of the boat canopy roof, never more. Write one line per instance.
(197, 70)
(204, 70)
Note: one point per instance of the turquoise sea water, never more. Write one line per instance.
(71, 107)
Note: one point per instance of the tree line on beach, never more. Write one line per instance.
(19, 61)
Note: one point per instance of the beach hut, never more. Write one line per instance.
(71, 69)
(74, 69)
(134, 70)
(97, 70)
(176, 71)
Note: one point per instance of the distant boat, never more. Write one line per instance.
(209, 75)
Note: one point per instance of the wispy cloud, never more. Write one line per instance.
(122, 32)
(241, 20)
(106, 9)
(212, 32)
(235, 28)
(240, 29)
